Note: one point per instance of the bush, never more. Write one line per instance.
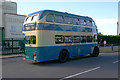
(110, 39)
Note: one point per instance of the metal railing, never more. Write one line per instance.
(13, 46)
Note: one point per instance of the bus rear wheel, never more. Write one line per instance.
(63, 57)
(95, 52)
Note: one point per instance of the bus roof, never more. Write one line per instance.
(59, 13)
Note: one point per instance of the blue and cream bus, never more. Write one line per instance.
(54, 35)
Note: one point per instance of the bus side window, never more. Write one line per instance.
(76, 39)
(67, 20)
(94, 38)
(89, 23)
(81, 22)
(84, 39)
(50, 18)
(59, 19)
(59, 39)
(76, 21)
(68, 39)
(89, 38)
(85, 23)
(93, 24)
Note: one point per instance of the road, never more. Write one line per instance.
(103, 66)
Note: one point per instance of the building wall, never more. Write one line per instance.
(14, 25)
(118, 25)
(0, 14)
(9, 7)
(10, 20)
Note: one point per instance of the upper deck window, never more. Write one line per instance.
(76, 21)
(59, 19)
(81, 22)
(50, 18)
(93, 24)
(28, 19)
(89, 23)
(32, 18)
(85, 23)
(67, 20)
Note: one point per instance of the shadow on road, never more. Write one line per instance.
(57, 62)
(80, 61)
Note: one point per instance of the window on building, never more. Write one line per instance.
(68, 39)
(50, 18)
(67, 20)
(76, 39)
(59, 19)
(59, 39)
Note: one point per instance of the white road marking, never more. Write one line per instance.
(80, 73)
(116, 61)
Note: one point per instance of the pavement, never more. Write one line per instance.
(11, 56)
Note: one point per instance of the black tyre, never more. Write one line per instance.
(63, 57)
(95, 52)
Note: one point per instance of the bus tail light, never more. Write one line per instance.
(34, 56)
(25, 52)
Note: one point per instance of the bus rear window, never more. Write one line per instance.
(30, 40)
(32, 18)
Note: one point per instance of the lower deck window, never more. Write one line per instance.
(84, 39)
(89, 38)
(76, 39)
(68, 39)
(30, 40)
(59, 39)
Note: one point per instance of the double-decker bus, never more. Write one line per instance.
(54, 35)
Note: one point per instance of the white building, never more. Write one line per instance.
(10, 20)
(118, 24)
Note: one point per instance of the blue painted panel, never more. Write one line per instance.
(56, 27)
(52, 52)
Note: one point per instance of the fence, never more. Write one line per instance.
(13, 46)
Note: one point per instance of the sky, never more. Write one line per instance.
(105, 14)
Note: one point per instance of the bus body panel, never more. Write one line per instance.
(52, 52)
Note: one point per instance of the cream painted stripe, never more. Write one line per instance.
(32, 45)
(80, 73)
